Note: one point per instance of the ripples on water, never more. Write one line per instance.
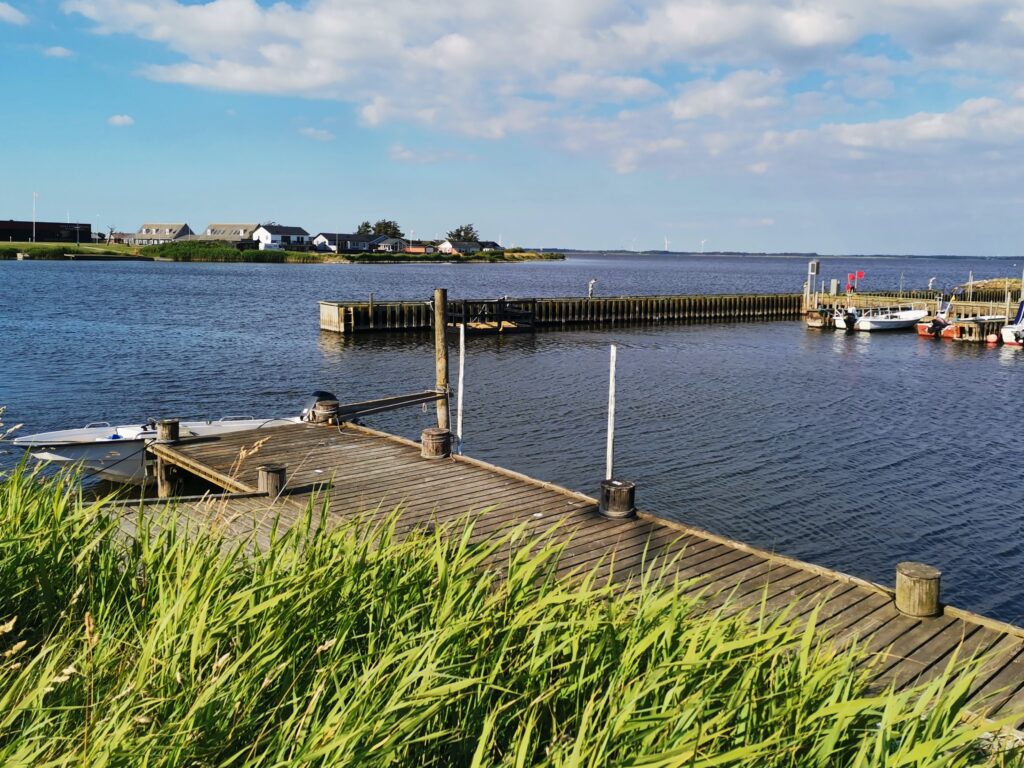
(850, 451)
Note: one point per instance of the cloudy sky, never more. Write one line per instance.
(837, 126)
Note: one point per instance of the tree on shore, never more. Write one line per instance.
(388, 228)
(464, 234)
(385, 227)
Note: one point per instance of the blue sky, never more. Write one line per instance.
(839, 126)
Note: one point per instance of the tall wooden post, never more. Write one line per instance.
(167, 481)
(441, 354)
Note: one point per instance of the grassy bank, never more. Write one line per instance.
(349, 647)
(45, 251)
(213, 251)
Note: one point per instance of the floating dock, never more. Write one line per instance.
(516, 314)
(359, 471)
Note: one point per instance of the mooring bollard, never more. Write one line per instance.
(618, 498)
(167, 431)
(325, 412)
(917, 589)
(271, 479)
(435, 443)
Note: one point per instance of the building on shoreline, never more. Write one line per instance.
(229, 233)
(277, 237)
(45, 231)
(339, 242)
(156, 234)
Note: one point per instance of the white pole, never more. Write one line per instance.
(611, 417)
(34, 196)
(462, 375)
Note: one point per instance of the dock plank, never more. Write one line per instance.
(368, 474)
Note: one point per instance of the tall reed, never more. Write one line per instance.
(353, 646)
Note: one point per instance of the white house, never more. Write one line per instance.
(458, 247)
(276, 237)
(337, 241)
(154, 234)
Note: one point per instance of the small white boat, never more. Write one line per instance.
(1012, 334)
(878, 318)
(118, 452)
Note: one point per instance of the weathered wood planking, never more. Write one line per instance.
(354, 470)
(500, 315)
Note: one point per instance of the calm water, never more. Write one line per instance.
(850, 451)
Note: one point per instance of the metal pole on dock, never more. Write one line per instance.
(610, 455)
(462, 376)
(441, 354)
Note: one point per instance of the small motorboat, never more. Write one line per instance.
(1012, 334)
(878, 318)
(943, 325)
(118, 452)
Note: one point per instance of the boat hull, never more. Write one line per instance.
(119, 453)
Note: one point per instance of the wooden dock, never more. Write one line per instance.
(358, 471)
(516, 314)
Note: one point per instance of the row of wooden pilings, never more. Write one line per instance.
(526, 314)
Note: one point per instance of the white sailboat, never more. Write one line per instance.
(1012, 334)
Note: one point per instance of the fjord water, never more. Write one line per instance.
(854, 451)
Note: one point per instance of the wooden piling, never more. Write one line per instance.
(435, 443)
(271, 479)
(167, 481)
(441, 354)
(917, 589)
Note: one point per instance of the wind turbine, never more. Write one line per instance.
(702, 244)
(666, 242)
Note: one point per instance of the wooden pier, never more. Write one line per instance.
(517, 314)
(358, 471)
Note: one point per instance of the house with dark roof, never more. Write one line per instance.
(338, 242)
(489, 245)
(277, 237)
(155, 234)
(389, 244)
(458, 247)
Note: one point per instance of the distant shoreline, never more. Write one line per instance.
(222, 253)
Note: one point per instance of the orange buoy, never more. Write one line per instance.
(992, 338)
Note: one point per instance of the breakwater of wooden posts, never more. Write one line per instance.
(528, 314)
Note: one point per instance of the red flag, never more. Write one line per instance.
(849, 286)
(851, 277)
(860, 275)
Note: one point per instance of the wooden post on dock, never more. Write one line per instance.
(167, 432)
(441, 354)
(917, 589)
(271, 479)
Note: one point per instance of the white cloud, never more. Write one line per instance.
(738, 92)
(12, 15)
(121, 121)
(57, 52)
(317, 134)
(685, 86)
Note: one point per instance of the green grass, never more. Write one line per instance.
(57, 250)
(349, 647)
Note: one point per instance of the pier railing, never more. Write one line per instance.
(526, 314)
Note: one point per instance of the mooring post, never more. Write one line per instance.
(271, 479)
(167, 432)
(917, 589)
(441, 354)
(436, 443)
